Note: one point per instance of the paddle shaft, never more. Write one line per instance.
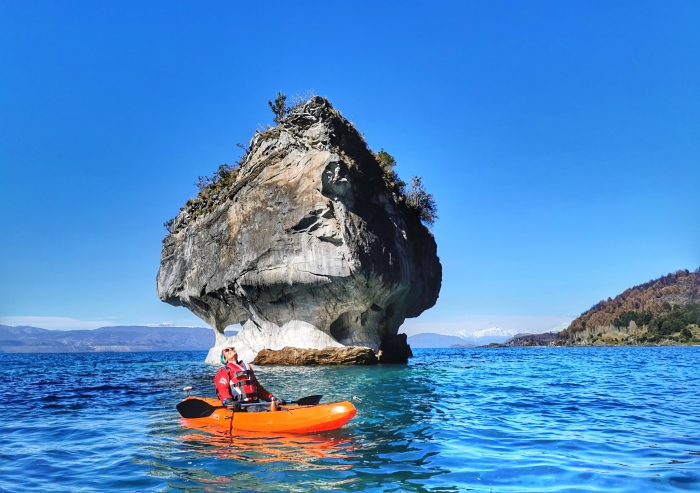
(251, 404)
(196, 408)
(304, 401)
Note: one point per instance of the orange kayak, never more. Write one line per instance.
(287, 419)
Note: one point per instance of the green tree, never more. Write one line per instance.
(669, 326)
(225, 174)
(644, 318)
(279, 107)
(386, 161)
(416, 197)
(421, 201)
(203, 182)
(640, 318)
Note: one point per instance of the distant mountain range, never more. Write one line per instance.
(170, 338)
(460, 339)
(490, 332)
(484, 337)
(432, 340)
(116, 339)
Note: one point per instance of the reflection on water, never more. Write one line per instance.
(507, 420)
(301, 450)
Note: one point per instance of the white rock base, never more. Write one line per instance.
(253, 338)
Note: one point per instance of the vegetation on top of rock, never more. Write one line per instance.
(387, 163)
(213, 190)
(421, 201)
(168, 225)
(210, 188)
(226, 174)
(415, 197)
(279, 107)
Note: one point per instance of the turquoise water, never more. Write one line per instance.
(491, 420)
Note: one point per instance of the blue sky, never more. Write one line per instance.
(561, 141)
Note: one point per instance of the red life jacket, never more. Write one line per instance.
(242, 382)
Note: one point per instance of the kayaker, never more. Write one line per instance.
(236, 383)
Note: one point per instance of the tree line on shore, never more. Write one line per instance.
(662, 311)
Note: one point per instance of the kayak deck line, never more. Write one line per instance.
(287, 419)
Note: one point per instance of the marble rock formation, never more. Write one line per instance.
(307, 244)
(328, 356)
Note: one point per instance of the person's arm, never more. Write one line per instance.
(262, 393)
(222, 385)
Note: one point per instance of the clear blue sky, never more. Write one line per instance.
(561, 140)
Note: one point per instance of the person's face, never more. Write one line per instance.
(230, 354)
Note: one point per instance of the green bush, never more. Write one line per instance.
(670, 326)
(203, 182)
(279, 107)
(676, 320)
(415, 197)
(421, 201)
(639, 318)
(225, 174)
(387, 163)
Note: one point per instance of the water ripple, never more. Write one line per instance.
(505, 420)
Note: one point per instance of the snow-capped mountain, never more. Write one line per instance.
(432, 340)
(498, 335)
(486, 336)
(490, 332)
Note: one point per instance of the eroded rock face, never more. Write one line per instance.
(309, 246)
(327, 356)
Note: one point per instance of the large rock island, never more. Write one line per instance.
(308, 243)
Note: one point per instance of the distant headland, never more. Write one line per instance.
(661, 312)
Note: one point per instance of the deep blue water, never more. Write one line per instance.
(491, 420)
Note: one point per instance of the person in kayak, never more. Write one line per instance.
(236, 382)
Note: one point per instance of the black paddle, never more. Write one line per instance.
(195, 408)
(310, 400)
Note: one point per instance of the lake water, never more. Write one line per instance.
(491, 420)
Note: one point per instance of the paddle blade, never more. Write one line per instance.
(194, 408)
(311, 400)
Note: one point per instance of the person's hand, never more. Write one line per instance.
(229, 402)
(281, 402)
